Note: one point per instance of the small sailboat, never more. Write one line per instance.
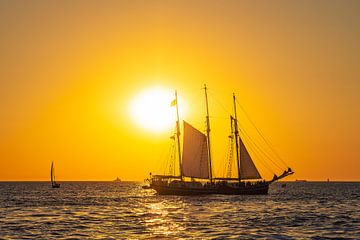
(54, 184)
(117, 180)
(195, 164)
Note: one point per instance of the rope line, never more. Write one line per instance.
(258, 152)
(243, 132)
(262, 136)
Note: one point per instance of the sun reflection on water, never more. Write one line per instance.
(162, 219)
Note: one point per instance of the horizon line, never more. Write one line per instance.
(301, 181)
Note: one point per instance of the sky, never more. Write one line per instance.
(69, 71)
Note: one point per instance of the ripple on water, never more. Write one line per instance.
(81, 210)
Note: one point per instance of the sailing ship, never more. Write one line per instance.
(195, 164)
(54, 184)
(117, 179)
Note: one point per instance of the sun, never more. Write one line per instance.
(151, 109)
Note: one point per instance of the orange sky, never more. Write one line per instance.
(69, 71)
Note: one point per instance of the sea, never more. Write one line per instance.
(110, 210)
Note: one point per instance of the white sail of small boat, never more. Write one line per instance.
(54, 184)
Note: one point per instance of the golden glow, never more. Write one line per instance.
(151, 109)
(78, 84)
(158, 220)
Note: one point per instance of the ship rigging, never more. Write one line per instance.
(196, 168)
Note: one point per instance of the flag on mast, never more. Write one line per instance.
(173, 103)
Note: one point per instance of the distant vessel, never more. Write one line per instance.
(300, 180)
(117, 180)
(195, 164)
(54, 184)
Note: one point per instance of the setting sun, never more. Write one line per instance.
(151, 110)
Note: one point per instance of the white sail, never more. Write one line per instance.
(52, 172)
(248, 169)
(195, 153)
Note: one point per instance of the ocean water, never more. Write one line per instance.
(107, 210)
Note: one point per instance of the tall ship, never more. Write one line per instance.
(195, 175)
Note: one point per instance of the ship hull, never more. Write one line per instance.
(181, 191)
(162, 189)
(244, 190)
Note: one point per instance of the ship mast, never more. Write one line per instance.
(237, 140)
(178, 134)
(208, 133)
